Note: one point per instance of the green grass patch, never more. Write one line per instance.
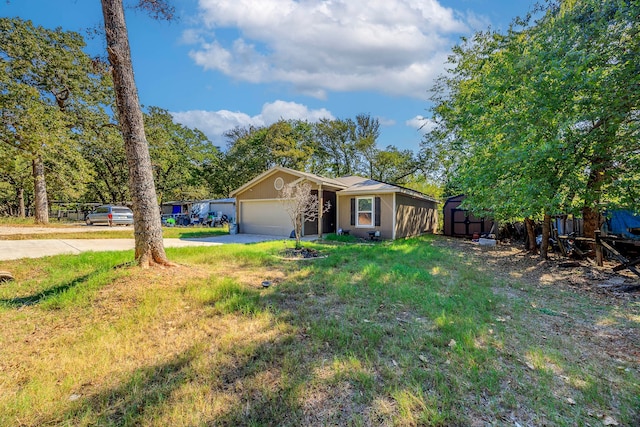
(116, 232)
(343, 238)
(402, 333)
(229, 296)
(61, 281)
(12, 220)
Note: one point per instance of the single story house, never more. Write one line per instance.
(359, 206)
(460, 222)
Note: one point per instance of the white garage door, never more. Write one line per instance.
(264, 217)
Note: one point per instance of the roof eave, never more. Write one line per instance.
(294, 172)
(262, 176)
(354, 192)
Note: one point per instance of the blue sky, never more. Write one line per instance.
(227, 63)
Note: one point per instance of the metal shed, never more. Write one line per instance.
(460, 222)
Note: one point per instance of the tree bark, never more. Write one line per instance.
(149, 247)
(546, 232)
(590, 212)
(531, 234)
(591, 218)
(21, 210)
(40, 191)
(298, 230)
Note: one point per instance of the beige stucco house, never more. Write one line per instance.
(359, 206)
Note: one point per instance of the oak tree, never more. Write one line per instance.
(47, 82)
(543, 119)
(149, 246)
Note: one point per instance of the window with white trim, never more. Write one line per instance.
(364, 212)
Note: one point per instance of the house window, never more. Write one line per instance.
(364, 212)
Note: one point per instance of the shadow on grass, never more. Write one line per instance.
(43, 296)
(152, 393)
(146, 390)
(390, 340)
(266, 386)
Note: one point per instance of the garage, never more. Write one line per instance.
(264, 217)
(259, 210)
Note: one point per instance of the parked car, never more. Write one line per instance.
(110, 215)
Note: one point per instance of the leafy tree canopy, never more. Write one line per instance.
(543, 119)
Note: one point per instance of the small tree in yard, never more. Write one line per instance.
(301, 206)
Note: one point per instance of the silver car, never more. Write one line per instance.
(110, 215)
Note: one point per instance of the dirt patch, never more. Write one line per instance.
(567, 297)
(304, 253)
(573, 315)
(510, 262)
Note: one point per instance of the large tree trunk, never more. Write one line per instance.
(531, 235)
(149, 247)
(590, 212)
(21, 210)
(591, 219)
(546, 233)
(40, 191)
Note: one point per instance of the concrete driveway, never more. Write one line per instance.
(16, 249)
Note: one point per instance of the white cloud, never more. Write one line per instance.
(272, 112)
(191, 36)
(477, 22)
(215, 123)
(422, 124)
(386, 122)
(392, 46)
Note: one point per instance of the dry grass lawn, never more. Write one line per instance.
(420, 332)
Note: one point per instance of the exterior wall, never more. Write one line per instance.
(447, 216)
(386, 216)
(415, 216)
(264, 189)
(228, 209)
(166, 209)
(169, 209)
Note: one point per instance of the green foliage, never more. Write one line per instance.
(394, 166)
(426, 185)
(336, 148)
(103, 148)
(47, 86)
(59, 105)
(177, 155)
(15, 181)
(253, 150)
(544, 119)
